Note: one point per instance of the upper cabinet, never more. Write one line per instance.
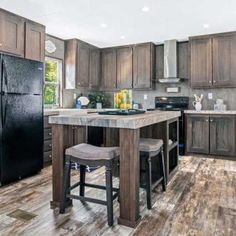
(109, 68)
(143, 65)
(224, 60)
(95, 67)
(124, 67)
(82, 65)
(183, 57)
(213, 61)
(21, 37)
(201, 62)
(34, 41)
(11, 33)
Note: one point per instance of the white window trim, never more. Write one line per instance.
(59, 84)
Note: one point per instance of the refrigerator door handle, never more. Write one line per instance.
(4, 97)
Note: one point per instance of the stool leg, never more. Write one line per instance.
(109, 195)
(148, 174)
(163, 170)
(66, 184)
(82, 179)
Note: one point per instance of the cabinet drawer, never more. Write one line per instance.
(47, 145)
(47, 156)
(45, 122)
(47, 134)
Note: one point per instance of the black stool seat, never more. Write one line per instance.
(152, 148)
(86, 154)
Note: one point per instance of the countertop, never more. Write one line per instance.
(114, 121)
(69, 111)
(211, 112)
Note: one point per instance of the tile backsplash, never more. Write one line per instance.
(228, 94)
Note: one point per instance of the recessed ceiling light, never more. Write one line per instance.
(206, 26)
(122, 37)
(103, 25)
(145, 9)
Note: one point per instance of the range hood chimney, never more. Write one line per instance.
(170, 62)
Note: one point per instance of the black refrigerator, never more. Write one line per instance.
(21, 118)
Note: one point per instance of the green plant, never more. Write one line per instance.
(97, 98)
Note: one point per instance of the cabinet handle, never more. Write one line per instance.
(50, 156)
(206, 120)
(210, 82)
(214, 81)
(50, 134)
(211, 120)
(50, 145)
(0, 44)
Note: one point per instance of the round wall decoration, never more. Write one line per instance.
(50, 47)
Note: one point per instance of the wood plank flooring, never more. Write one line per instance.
(200, 200)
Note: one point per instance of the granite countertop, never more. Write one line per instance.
(229, 112)
(114, 121)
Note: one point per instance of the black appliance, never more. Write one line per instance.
(175, 104)
(122, 112)
(21, 118)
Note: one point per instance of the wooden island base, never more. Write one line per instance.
(71, 130)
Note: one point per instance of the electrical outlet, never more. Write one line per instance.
(145, 96)
(210, 96)
(74, 95)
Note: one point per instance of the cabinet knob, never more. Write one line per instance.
(209, 81)
(206, 120)
(50, 156)
(0, 44)
(211, 120)
(214, 81)
(50, 145)
(50, 134)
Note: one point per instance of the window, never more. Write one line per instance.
(53, 82)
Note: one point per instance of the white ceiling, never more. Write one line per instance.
(166, 19)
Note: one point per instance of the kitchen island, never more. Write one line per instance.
(69, 130)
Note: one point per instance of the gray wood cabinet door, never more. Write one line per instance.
(83, 65)
(197, 134)
(94, 65)
(34, 41)
(11, 34)
(201, 62)
(109, 68)
(222, 135)
(183, 57)
(224, 60)
(124, 67)
(142, 66)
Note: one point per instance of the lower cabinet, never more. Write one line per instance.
(198, 134)
(222, 130)
(215, 134)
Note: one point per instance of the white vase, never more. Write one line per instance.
(198, 106)
(98, 105)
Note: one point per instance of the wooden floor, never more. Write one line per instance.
(200, 200)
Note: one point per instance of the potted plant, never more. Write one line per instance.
(97, 100)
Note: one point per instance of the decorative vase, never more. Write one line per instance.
(198, 106)
(98, 105)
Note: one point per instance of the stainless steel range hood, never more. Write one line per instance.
(170, 62)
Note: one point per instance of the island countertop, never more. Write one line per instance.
(115, 121)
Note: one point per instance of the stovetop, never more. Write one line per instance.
(171, 103)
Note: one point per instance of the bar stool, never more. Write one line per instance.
(152, 148)
(86, 154)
